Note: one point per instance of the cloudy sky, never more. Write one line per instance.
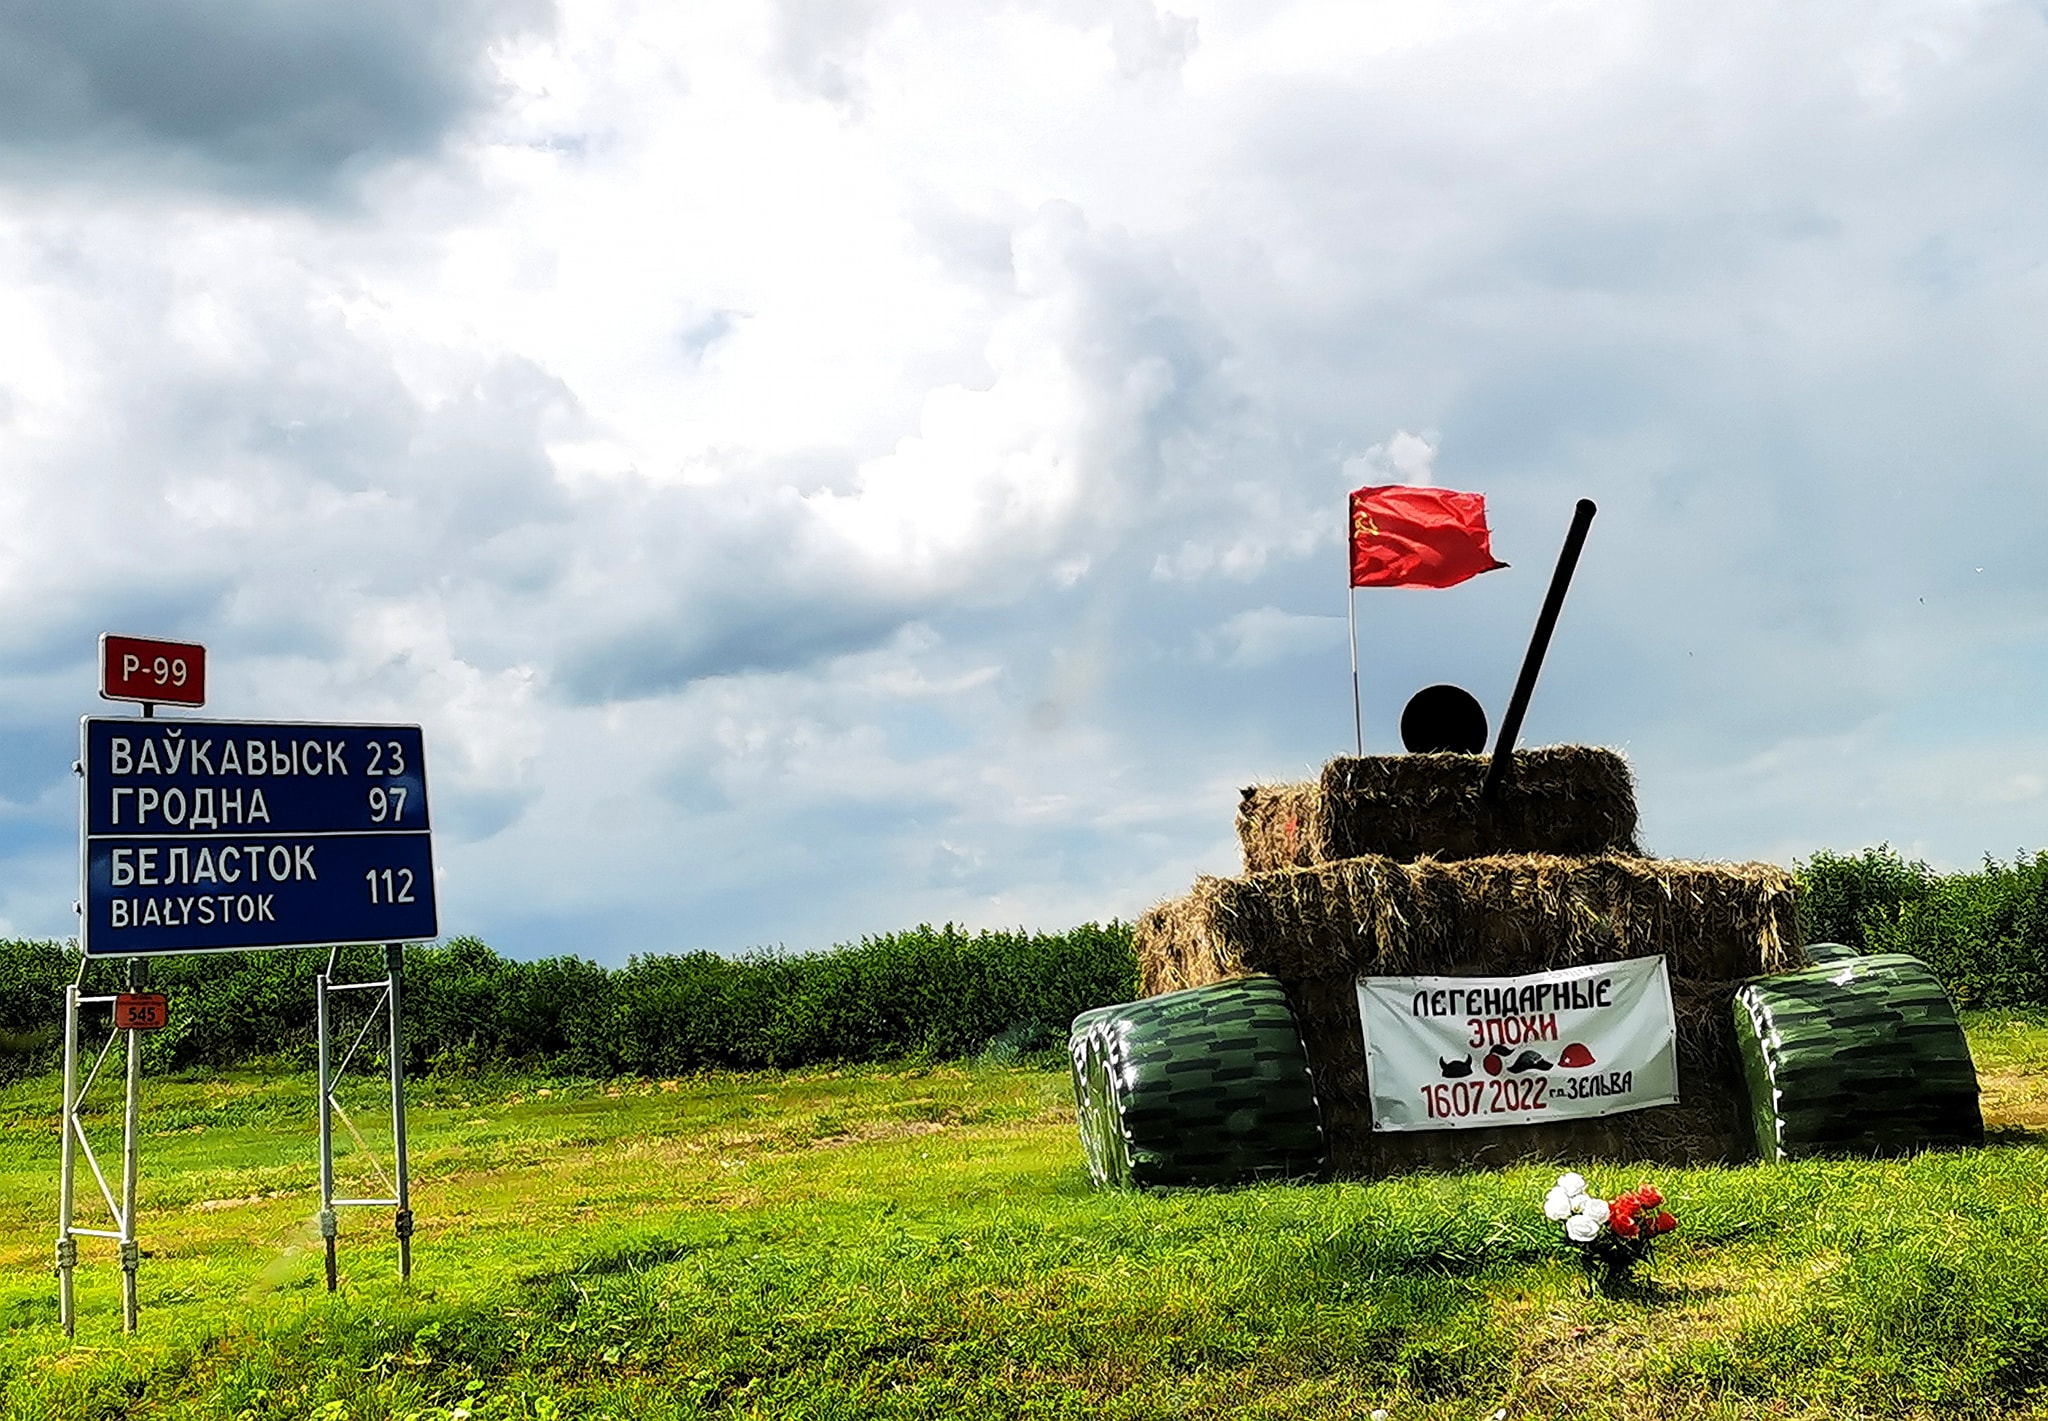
(816, 466)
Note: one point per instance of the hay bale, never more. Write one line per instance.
(1319, 929)
(1564, 799)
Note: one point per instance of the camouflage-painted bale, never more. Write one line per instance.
(1102, 1139)
(1562, 799)
(1203, 1087)
(1857, 1055)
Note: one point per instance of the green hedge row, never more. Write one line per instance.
(933, 992)
(1985, 933)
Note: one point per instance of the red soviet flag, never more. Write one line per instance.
(1404, 535)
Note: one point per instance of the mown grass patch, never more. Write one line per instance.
(2011, 1052)
(921, 1241)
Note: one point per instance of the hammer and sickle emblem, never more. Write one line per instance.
(1362, 525)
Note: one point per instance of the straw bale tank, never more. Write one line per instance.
(1400, 866)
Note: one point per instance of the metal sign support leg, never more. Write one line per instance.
(400, 1181)
(394, 968)
(123, 1211)
(67, 1246)
(131, 1251)
(327, 1227)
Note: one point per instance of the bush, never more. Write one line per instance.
(931, 992)
(935, 992)
(32, 980)
(1984, 934)
(1856, 900)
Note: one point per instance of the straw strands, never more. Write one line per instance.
(1477, 917)
(1318, 929)
(1563, 799)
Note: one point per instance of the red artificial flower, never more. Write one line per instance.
(1649, 1195)
(1665, 1223)
(1623, 1224)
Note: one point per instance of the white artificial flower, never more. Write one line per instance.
(1557, 1206)
(1582, 1228)
(1379, 1413)
(1594, 1209)
(1572, 1183)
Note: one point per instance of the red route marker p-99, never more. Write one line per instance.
(134, 668)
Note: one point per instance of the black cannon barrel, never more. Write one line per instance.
(1539, 643)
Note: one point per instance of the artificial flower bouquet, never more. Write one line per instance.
(1612, 1235)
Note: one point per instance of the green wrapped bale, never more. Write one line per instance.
(1205, 1087)
(1855, 1055)
(1102, 1138)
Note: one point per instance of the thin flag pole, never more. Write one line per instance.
(1357, 715)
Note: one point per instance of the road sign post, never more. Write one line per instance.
(399, 1181)
(67, 1178)
(321, 1027)
(78, 1146)
(394, 967)
(131, 1159)
(214, 836)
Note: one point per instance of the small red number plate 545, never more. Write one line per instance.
(141, 1011)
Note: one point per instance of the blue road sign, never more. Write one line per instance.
(214, 835)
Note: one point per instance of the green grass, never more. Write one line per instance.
(921, 1241)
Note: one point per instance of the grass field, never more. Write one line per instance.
(920, 1241)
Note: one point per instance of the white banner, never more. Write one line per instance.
(1444, 1053)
